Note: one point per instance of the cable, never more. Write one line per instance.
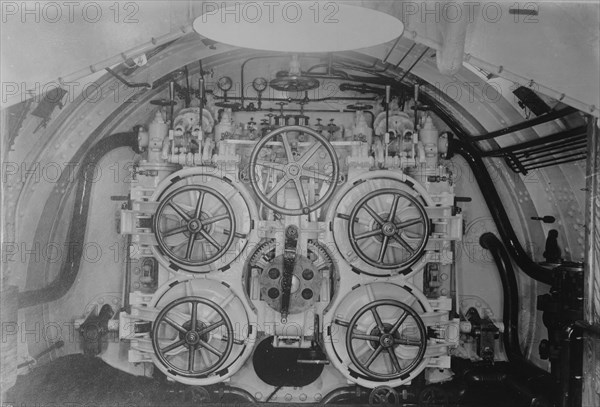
(79, 220)
(272, 394)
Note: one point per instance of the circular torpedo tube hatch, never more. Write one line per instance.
(202, 222)
(376, 336)
(202, 334)
(380, 225)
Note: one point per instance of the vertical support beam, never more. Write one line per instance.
(591, 342)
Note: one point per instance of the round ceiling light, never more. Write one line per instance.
(296, 26)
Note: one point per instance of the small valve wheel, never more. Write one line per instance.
(295, 169)
(384, 395)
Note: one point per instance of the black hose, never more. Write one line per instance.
(510, 289)
(494, 203)
(520, 365)
(76, 234)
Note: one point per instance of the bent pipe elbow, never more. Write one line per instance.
(236, 391)
(77, 229)
(501, 220)
(342, 391)
(510, 291)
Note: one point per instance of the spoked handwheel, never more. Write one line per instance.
(377, 347)
(384, 395)
(194, 225)
(398, 233)
(294, 168)
(183, 342)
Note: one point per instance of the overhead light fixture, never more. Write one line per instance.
(296, 26)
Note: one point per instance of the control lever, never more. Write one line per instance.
(485, 332)
(552, 252)
(34, 360)
(289, 263)
(545, 219)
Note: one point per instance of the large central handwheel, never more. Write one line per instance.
(184, 339)
(296, 166)
(185, 225)
(400, 225)
(384, 334)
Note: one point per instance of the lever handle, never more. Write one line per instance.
(545, 219)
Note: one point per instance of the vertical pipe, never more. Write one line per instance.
(387, 108)
(501, 219)
(565, 371)
(416, 105)
(171, 99)
(127, 277)
(201, 96)
(188, 96)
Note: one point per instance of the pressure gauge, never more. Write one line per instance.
(260, 84)
(225, 83)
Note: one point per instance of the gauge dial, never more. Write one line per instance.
(225, 83)
(260, 84)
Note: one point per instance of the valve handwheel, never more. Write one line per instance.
(294, 170)
(385, 337)
(389, 226)
(188, 216)
(192, 337)
(385, 395)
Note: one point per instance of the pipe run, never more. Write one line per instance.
(79, 219)
(520, 365)
(501, 219)
(350, 391)
(510, 289)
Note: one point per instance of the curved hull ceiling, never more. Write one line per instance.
(553, 47)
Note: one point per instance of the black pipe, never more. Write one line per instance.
(76, 234)
(526, 124)
(558, 138)
(413, 65)
(405, 55)
(510, 289)
(236, 391)
(520, 365)
(486, 374)
(353, 391)
(323, 99)
(127, 83)
(556, 156)
(501, 219)
(571, 144)
(526, 378)
(557, 162)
